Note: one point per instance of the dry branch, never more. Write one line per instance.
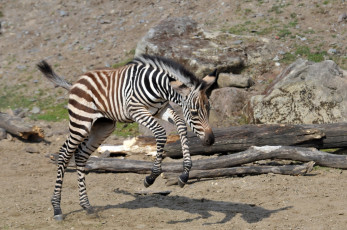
(244, 170)
(20, 128)
(240, 138)
(226, 161)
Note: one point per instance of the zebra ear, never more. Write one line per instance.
(210, 79)
(180, 88)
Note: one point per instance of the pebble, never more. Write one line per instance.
(35, 110)
(21, 67)
(332, 51)
(105, 22)
(237, 42)
(276, 58)
(342, 17)
(63, 13)
(31, 149)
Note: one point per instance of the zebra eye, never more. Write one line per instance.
(194, 112)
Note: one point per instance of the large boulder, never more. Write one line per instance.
(183, 40)
(201, 52)
(227, 105)
(305, 92)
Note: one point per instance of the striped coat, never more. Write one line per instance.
(137, 92)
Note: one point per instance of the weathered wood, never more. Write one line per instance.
(240, 138)
(20, 128)
(294, 170)
(226, 161)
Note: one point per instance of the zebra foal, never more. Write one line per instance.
(137, 92)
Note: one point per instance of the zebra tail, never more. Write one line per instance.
(48, 72)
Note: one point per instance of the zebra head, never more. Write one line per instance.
(196, 108)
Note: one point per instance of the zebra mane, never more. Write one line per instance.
(175, 70)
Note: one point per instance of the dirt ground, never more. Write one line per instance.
(315, 201)
(76, 36)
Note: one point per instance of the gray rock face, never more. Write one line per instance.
(234, 80)
(227, 105)
(3, 134)
(305, 92)
(181, 39)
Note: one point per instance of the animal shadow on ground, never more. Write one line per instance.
(203, 207)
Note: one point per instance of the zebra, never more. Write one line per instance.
(139, 91)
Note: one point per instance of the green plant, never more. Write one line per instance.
(248, 11)
(56, 112)
(293, 15)
(276, 9)
(284, 33)
(293, 23)
(305, 51)
(288, 58)
(126, 129)
(302, 50)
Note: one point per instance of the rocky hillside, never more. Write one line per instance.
(75, 36)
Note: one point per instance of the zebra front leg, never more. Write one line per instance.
(168, 114)
(143, 117)
(160, 137)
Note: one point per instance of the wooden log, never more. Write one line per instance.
(226, 161)
(294, 170)
(240, 138)
(20, 128)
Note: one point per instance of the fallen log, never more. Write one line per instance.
(240, 138)
(226, 161)
(294, 170)
(18, 127)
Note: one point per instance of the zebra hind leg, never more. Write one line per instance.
(101, 129)
(65, 154)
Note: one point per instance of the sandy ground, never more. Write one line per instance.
(315, 201)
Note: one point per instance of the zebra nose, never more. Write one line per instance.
(209, 139)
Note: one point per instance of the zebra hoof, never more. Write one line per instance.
(183, 179)
(58, 217)
(148, 181)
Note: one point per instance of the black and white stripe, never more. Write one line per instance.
(138, 91)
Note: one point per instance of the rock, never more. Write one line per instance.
(63, 13)
(227, 106)
(342, 17)
(234, 80)
(181, 39)
(305, 92)
(21, 67)
(105, 21)
(3, 134)
(31, 149)
(332, 51)
(35, 110)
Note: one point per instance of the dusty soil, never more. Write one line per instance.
(315, 201)
(79, 35)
